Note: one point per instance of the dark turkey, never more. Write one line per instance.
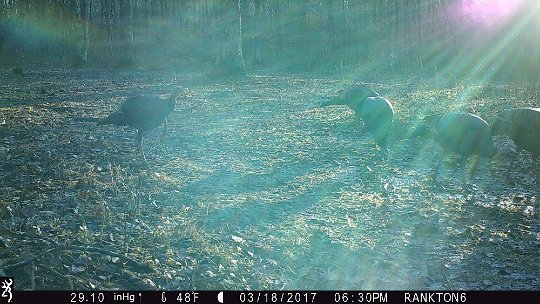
(458, 132)
(143, 113)
(522, 126)
(375, 111)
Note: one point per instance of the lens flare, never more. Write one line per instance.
(491, 13)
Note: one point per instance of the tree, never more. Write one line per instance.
(229, 58)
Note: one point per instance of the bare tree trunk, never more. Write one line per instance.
(229, 59)
(86, 34)
(240, 41)
(81, 59)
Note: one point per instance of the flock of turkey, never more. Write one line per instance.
(458, 132)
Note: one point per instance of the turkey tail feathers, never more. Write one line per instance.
(113, 119)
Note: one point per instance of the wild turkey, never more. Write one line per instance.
(142, 113)
(376, 112)
(522, 126)
(462, 133)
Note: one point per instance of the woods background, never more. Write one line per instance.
(448, 39)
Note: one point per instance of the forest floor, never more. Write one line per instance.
(253, 187)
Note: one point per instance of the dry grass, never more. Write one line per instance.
(254, 187)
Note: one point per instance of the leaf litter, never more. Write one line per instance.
(254, 187)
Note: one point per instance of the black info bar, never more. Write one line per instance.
(240, 297)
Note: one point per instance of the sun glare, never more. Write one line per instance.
(491, 12)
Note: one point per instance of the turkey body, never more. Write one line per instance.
(375, 111)
(522, 126)
(142, 113)
(463, 133)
